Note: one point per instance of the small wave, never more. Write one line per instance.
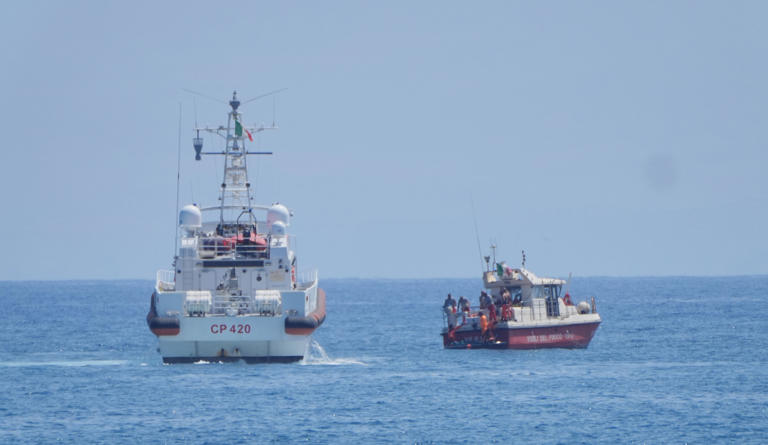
(316, 355)
(65, 363)
(332, 362)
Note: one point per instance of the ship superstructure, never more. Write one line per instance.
(234, 292)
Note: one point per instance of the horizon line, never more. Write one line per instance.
(402, 278)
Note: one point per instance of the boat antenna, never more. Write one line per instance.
(178, 182)
(194, 107)
(262, 95)
(205, 96)
(523, 259)
(477, 232)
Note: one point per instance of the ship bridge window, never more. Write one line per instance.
(547, 291)
(515, 292)
(550, 292)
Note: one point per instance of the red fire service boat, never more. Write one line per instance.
(519, 310)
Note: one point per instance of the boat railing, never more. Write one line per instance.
(306, 279)
(536, 311)
(213, 248)
(166, 280)
(520, 313)
(260, 304)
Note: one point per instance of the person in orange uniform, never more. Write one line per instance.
(485, 333)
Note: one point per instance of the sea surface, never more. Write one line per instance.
(676, 360)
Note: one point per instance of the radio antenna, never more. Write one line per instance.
(205, 96)
(262, 95)
(477, 232)
(178, 181)
(194, 107)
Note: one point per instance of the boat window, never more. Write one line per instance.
(515, 294)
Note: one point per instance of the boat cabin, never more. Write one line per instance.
(525, 288)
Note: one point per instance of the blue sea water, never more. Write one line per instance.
(676, 360)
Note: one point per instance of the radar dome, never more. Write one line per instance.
(278, 228)
(278, 212)
(583, 307)
(190, 218)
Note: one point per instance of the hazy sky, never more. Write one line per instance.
(604, 138)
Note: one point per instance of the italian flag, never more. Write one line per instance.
(239, 130)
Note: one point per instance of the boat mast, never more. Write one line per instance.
(235, 187)
(234, 193)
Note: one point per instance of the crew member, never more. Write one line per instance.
(451, 316)
(484, 300)
(485, 329)
(449, 303)
(498, 300)
(483, 326)
(507, 312)
(492, 313)
(449, 307)
(463, 304)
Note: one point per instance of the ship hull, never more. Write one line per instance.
(219, 338)
(509, 336)
(272, 351)
(249, 360)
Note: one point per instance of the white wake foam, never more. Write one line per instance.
(316, 355)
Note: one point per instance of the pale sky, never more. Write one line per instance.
(604, 138)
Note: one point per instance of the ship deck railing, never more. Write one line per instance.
(306, 280)
(245, 305)
(215, 250)
(525, 313)
(166, 280)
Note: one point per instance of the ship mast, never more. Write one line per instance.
(235, 186)
(234, 192)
